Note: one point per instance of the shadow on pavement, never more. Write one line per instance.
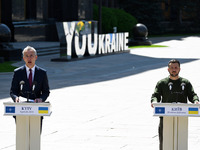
(104, 68)
(86, 71)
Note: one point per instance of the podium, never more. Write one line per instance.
(175, 123)
(28, 122)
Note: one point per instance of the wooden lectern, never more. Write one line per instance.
(175, 123)
(28, 122)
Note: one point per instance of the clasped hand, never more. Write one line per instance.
(37, 100)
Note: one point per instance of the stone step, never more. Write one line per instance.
(43, 48)
(48, 51)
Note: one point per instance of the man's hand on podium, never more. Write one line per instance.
(21, 99)
(152, 104)
(38, 100)
(17, 100)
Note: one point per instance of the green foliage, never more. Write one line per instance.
(7, 67)
(95, 12)
(184, 15)
(112, 17)
(109, 20)
(147, 12)
(125, 21)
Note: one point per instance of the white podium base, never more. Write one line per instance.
(28, 132)
(175, 133)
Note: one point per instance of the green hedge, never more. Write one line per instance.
(125, 21)
(147, 12)
(112, 17)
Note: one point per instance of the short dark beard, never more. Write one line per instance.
(174, 75)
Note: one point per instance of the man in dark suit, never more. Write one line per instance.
(30, 81)
(31, 84)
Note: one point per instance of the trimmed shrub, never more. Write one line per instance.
(125, 21)
(112, 17)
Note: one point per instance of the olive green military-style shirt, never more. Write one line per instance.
(169, 91)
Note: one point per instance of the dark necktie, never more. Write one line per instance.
(30, 78)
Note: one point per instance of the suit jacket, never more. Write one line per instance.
(41, 86)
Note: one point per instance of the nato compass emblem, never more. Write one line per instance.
(10, 109)
(159, 110)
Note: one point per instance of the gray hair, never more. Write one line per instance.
(29, 48)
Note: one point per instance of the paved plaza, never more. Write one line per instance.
(103, 103)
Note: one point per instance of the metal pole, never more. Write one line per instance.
(100, 17)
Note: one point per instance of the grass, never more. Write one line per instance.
(147, 46)
(7, 66)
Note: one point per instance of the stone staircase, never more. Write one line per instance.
(43, 48)
(48, 50)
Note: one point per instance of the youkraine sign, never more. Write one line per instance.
(80, 38)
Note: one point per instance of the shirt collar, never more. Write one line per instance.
(27, 68)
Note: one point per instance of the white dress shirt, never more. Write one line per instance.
(28, 72)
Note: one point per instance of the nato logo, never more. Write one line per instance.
(10, 109)
(159, 110)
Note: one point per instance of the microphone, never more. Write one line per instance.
(33, 87)
(183, 86)
(170, 85)
(21, 83)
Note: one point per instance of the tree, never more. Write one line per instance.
(147, 12)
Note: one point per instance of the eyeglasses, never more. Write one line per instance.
(31, 56)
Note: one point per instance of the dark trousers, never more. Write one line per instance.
(160, 133)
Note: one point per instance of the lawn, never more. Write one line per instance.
(7, 66)
(147, 46)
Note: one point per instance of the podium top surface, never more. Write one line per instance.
(27, 109)
(27, 104)
(176, 109)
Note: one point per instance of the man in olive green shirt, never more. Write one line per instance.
(173, 89)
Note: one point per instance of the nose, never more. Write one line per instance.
(29, 58)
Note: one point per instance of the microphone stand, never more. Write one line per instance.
(33, 88)
(21, 88)
(28, 95)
